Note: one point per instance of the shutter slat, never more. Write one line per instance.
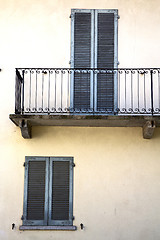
(36, 190)
(60, 190)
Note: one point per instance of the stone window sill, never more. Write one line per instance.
(65, 228)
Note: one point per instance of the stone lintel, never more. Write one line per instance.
(148, 129)
(25, 128)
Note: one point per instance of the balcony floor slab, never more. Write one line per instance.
(84, 120)
(23, 120)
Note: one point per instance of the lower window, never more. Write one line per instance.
(48, 191)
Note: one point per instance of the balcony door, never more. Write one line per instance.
(93, 45)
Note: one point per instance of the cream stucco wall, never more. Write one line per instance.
(116, 181)
(117, 173)
(40, 31)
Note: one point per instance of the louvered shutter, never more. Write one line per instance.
(105, 58)
(94, 45)
(36, 191)
(60, 204)
(82, 58)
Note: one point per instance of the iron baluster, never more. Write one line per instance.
(61, 90)
(144, 92)
(151, 72)
(22, 91)
(55, 91)
(125, 91)
(159, 89)
(48, 91)
(29, 107)
(68, 94)
(131, 91)
(42, 88)
(36, 93)
(119, 90)
(138, 88)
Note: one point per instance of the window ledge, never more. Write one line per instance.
(67, 228)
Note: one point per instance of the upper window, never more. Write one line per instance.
(48, 191)
(94, 45)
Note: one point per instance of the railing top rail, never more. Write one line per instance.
(122, 69)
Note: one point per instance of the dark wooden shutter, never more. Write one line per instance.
(82, 59)
(94, 45)
(60, 190)
(36, 190)
(105, 59)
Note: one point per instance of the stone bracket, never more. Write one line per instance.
(148, 129)
(25, 128)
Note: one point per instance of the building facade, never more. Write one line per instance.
(80, 121)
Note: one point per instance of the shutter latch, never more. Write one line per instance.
(24, 164)
(22, 218)
(73, 164)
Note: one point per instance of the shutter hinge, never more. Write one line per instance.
(22, 218)
(71, 16)
(118, 17)
(73, 164)
(25, 164)
(70, 62)
(73, 218)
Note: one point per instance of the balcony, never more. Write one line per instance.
(87, 97)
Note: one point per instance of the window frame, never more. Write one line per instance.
(47, 223)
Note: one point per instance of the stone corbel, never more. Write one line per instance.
(25, 128)
(148, 129)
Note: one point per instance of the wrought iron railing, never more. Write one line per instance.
(52, 91)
